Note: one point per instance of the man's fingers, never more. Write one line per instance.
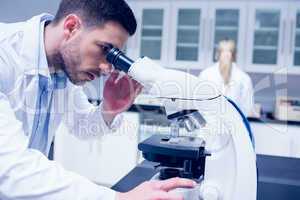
(113, 76)
(138, 89)
(137, 85)
(134, 87)
(124, 85)
(174, 183)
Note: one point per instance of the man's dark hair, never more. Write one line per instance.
(98, 12)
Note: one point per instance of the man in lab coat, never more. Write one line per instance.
(227, 77)
(43, 62)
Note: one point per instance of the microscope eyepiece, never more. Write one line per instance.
(119, 60)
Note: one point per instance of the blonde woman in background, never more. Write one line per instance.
(229, 78)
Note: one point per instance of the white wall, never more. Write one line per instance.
(19, 10)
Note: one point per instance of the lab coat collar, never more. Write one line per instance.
(31, 47)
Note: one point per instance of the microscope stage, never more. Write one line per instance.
(160, 148)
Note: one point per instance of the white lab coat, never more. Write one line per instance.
(27, 173)
(240, 88)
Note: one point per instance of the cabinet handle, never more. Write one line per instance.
(203, 34)
(292, 36)
(211, 44)
(283, 36)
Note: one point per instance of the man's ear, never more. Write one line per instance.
(72, 24)
(234, 55)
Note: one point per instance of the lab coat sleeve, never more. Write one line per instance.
(247, 97)
(202, 75)
(85, 120)
(26, 174)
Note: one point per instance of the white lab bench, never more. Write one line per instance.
(276, 138)
(109, 158)
(104, 160)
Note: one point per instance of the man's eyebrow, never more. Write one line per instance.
(106, 44)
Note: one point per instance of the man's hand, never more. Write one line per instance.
(118, 95)
(157, 190)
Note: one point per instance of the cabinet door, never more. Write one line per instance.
(152, 32)
(271, 139)
(227, 21)
(187, 35)
(267, 37)
(294, 132)
(294, 39)
(296, 59)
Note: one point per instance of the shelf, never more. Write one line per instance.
(187, 45)
(152, 38)
(262, 47)
(266, 29)
(152, 27)
(268, 11)
(297, 49)
(226, 28)
(186, 27)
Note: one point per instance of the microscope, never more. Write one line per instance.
(209, 138)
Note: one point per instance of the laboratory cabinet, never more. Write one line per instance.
(226, 20)
(273, 37)
(276, 139)
(151, 38)
(103, 160)
(184, 34)
(186, 39)
(267, 27)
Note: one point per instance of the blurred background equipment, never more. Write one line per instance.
(287, 109)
